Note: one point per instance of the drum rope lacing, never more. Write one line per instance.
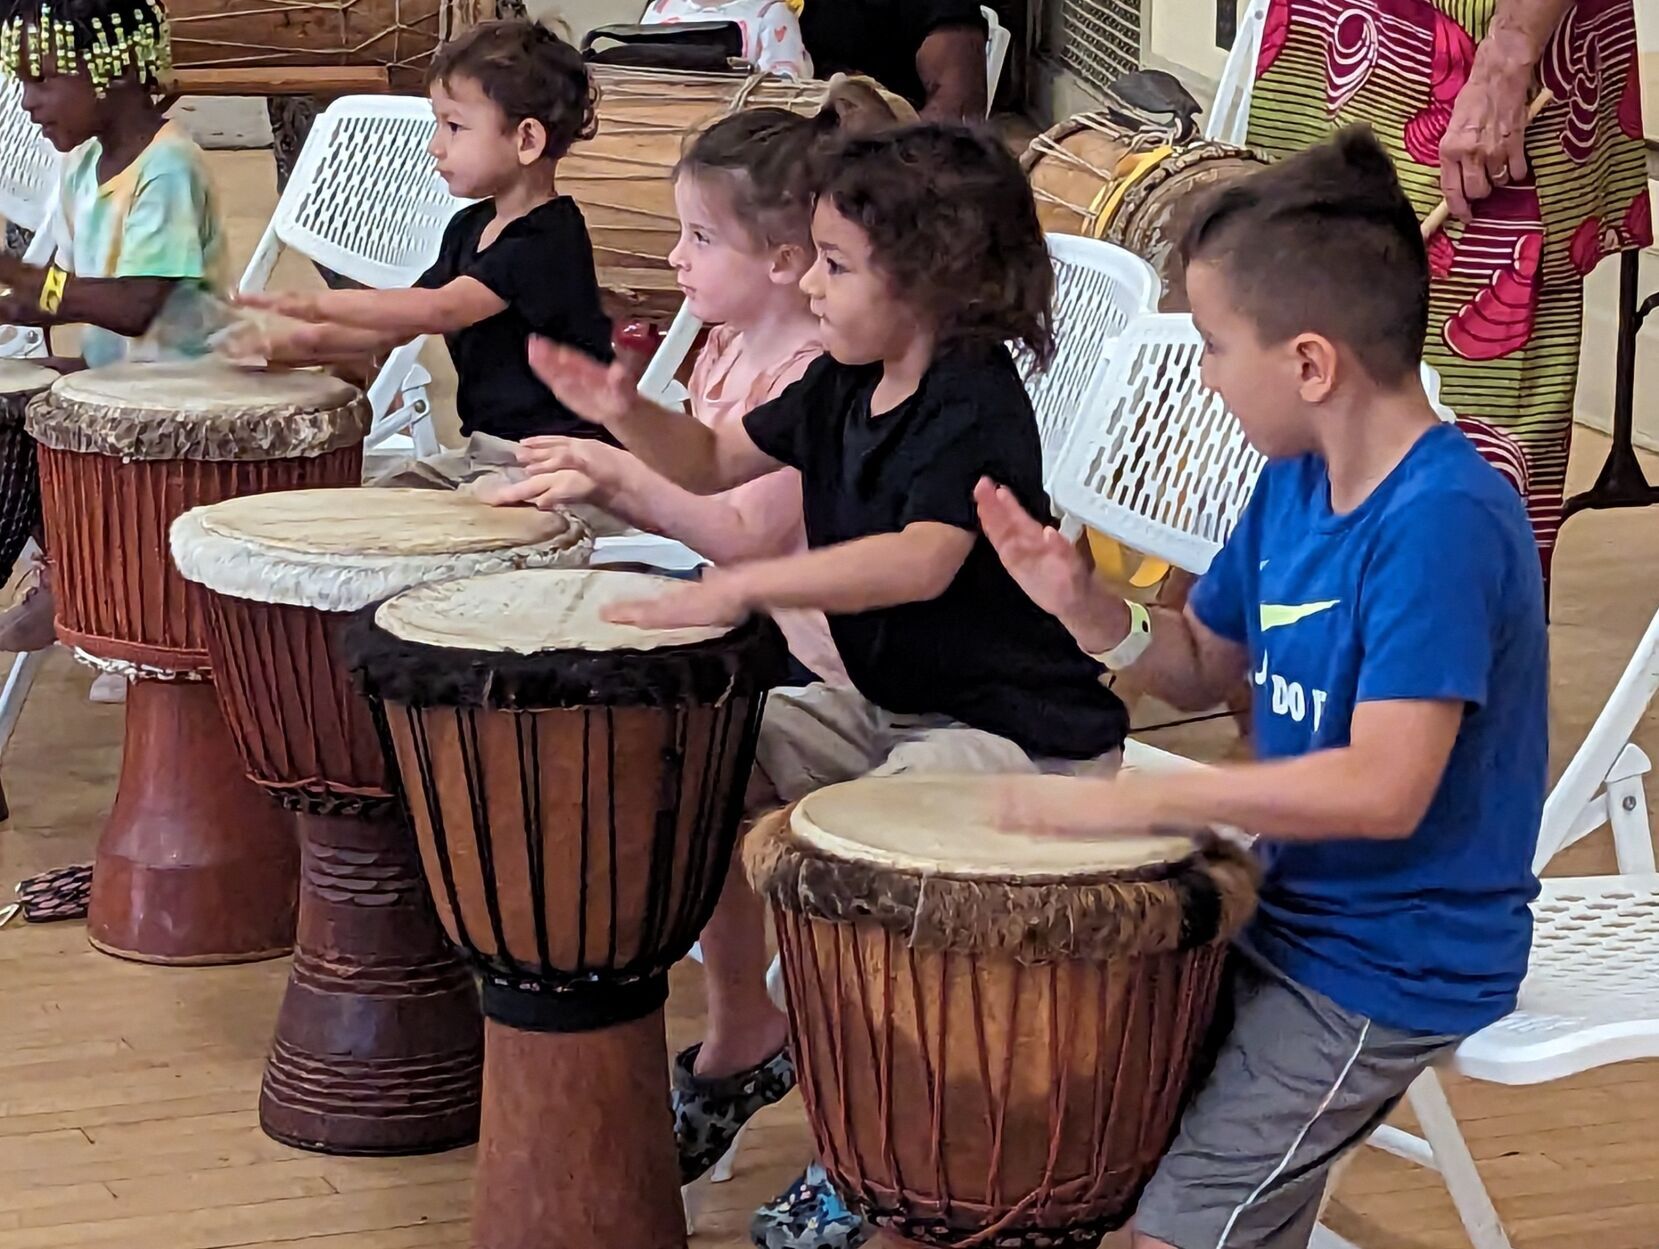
(450, 17)
(1044, 146)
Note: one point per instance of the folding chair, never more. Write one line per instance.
(997, 39)
(365, 200)
(28, 178)
(1229, 117)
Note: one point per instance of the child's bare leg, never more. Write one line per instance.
(745, 1028)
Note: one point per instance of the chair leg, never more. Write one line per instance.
(25, 668)
(1455, 1163)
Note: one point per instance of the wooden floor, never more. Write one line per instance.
(127, 1093)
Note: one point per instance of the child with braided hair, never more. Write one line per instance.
(139, 245)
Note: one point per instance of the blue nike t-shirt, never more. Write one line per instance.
(1430, 589)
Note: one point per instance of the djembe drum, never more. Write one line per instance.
(19, 476)
(993, 1032)
(378, 1043)
(1095, 177)
(194, 865)
(575, 787)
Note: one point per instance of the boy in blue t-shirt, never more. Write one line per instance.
(1382, 592)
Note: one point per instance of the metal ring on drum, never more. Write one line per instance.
(993, 1033)
(576, 789)
(193, 865)
(378, 1045)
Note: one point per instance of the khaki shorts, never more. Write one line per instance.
(822, 734)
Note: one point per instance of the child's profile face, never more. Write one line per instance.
(1260, 382)
(477, 150)
(65, 106)
(727, 274)
(860, 318)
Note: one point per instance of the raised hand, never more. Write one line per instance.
(1054, 574)
(601, 393)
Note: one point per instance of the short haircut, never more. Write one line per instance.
(530, 74)
(1324, 242)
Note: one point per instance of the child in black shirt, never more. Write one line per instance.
(929, 260)
(511, 97)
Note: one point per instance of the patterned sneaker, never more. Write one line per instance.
(808, 1215)
(710, 1112)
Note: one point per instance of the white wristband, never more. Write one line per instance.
(1134, 644)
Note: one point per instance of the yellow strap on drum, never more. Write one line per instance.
(1128, 171)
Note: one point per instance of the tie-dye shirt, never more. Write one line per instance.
(157, 218)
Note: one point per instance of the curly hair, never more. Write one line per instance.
(530, 73)
(103, 39)
(953, 225)
(1324, 242)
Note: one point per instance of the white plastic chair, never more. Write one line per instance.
(365, 200)
(28, 179)
(997, 39)
(1099, 288)
(1591, 994)
(1228, 120)
(1161, 464)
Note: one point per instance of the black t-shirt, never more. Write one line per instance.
(982, 652)
(880, 37)
(542, 265)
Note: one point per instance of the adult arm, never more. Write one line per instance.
(951, 65)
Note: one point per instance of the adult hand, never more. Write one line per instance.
(601, 393)
(1484, 146)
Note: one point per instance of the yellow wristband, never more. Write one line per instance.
(51, 290)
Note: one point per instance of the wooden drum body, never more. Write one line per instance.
(398, 36)
(623, 177)
(1092, 176)
(19, 476)
(990, 1053)
(378, 1045)
(193, 865)
(576, 789)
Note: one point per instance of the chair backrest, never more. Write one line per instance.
(1098, 289)
(28, 163)
(1571, 801)
(1229, 117)
(1160, 464)
(365, 199)
(997, 39)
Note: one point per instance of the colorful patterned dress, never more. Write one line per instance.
(1506, 310)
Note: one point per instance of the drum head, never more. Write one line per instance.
(948, 826)
(368, 522)
(204, 389)
(532, 611)
(19, 377)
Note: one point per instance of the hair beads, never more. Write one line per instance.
(104, 39)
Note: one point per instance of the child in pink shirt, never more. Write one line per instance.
(745, 243)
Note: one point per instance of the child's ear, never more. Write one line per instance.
(1316, 363)
(532, 141)
(790, 261)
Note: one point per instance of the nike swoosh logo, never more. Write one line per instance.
(1278, 615)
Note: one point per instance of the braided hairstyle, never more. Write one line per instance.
(103, 39)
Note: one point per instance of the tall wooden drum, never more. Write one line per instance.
(194, 865)
(1091, 176)
(994, 1033)
(378, 1044)
(19, 477)
(575, 787)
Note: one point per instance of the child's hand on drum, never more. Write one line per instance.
(545, 490)
(601, 393)
(716, 599)
(299, 305)
(1054, 574)
(1070, 806)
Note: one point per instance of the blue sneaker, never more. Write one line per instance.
(808, 1215)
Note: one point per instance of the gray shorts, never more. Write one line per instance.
(1297, 1081)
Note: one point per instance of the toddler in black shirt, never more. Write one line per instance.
(511, 97)
(929, 259)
